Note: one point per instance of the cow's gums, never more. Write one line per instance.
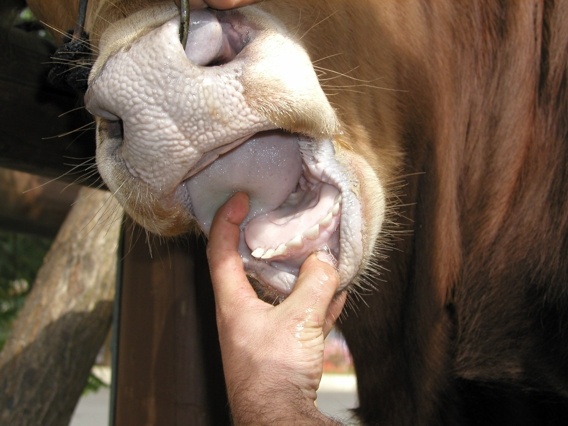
(445, 119)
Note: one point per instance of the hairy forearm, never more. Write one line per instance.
(284, 418)
(276, 408)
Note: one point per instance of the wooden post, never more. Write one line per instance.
(168, 368)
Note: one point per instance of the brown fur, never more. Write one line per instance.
(466, 103)
(473, 308)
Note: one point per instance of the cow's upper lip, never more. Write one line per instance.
(211, 156)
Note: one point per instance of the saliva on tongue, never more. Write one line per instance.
(290, 215)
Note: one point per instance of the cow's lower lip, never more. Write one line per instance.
(294, 207)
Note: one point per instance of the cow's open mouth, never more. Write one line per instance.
(296, 197)
(180, 131)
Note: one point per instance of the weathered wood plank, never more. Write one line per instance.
(169, 367)
(32, 204)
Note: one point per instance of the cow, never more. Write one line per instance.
(424, 144)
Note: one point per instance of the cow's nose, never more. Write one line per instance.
(98, 111)
(110, 123)
(211, 41)
(112, 129)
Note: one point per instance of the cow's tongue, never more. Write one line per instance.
(291, 213)
(267, 167)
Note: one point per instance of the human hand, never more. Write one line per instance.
(272, 355)
(218, 4)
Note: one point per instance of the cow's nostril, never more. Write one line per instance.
(104, 114)
(94, 106)
(112, 129)
(110, 125)
(212, 39)
(233, 43)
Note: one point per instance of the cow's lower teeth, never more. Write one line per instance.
(258, 253)
(268, 255)
(326, 220)
(336, 208)
(295, 242)
(313, 232)
(298, 241)
(281, 250)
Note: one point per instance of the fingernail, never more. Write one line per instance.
(326, 257)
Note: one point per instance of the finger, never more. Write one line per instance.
(193, 4)
(217, 4)
(227, 272)
(229, 4)
(316, 285)
(334, 311)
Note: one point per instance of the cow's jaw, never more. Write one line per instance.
(177, 138)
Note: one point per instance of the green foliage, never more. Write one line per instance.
(94, 384)
(20, 258)
(26, 15)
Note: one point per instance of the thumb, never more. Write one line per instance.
(316, 286)
(229, 4)
(218, 4)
